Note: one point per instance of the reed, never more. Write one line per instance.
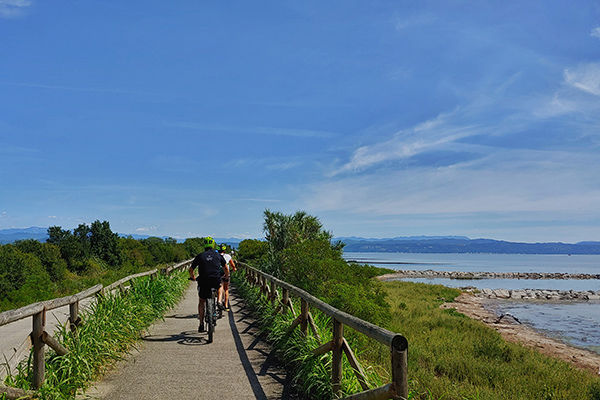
(110, 328)
(311, 374)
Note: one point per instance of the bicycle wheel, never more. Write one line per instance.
(210, 306)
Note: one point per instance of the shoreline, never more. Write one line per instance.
(515, 332)
(474, 275)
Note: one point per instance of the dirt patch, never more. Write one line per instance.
(513, 331)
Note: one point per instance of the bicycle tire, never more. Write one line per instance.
(209, 319)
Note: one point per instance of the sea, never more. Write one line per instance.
(576, 323)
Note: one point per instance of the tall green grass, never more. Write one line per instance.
(454, 357)
(450, 357)
(109, 329)
(311, 374)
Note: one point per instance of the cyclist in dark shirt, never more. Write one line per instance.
(210, 266)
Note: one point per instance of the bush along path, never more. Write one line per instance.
(109, 329)
(311, 373)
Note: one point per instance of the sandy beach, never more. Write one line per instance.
(513, 331)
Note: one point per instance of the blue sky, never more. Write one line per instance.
(381, 118)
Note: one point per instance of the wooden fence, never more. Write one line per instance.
(39, 338)
(397, 389)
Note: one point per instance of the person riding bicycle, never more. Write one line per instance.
(230, 267)
(211, 267)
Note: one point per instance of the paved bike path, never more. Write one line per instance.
(175, 361)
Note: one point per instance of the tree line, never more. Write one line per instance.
(301, 252)
(72, 260)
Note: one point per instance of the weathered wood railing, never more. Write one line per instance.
(38, 337)
(397, 389)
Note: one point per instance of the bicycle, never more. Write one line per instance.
(210, 314)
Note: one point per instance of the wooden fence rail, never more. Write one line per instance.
(40, 338)
(397, 389)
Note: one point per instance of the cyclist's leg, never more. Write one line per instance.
(201, 306)
(220, 295)
(226, 294)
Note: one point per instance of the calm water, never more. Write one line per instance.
(575, 323)
(583, 264)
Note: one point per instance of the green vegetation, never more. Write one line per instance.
(454, 357)
(300, 252)
(69, 262)
(107, 331)
(450, 355)
(311, 374)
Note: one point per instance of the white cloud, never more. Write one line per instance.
(52, 216)
(146, 229)
(257, 200)
(506, 181)
(595, 32)
(406, 23)
(263, 130)
(584, 77)
(407, 143)
(13, 8)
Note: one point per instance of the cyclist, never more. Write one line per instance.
(230, 267)
(210, 271)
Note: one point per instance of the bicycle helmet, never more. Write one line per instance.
(209, 243)
(223, 247)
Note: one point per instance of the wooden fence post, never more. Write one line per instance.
(39, 365)
(303, 317)
(74, 315)
(273, 293)
(286, 298)
(399, 367)
(336, 361)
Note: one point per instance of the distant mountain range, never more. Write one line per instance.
(461, 244)
(400, 244)
(10, 235)
(41, 234)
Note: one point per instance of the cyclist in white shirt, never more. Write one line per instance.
(230, 267)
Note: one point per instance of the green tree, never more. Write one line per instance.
(283, 231)
(104, 243)
(83, 233)
(253, 251)
(48, 254)
(23, 279)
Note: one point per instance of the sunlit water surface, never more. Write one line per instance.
(577, 323)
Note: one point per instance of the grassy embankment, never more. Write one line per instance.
(109, 329)
(451, 357)
(454, 357)
(310, 373)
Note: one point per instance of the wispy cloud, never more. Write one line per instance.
(507, 181)
(144, 229)
(584, 77)
(76, 88)
(595, 32)
(407, 143)
(9, 149)
(257, 200)
(418, 20)
(13, 8)
(264, 130)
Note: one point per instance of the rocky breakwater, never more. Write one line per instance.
(536, 294)
(484, 275)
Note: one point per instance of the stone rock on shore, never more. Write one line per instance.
(531, 294)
